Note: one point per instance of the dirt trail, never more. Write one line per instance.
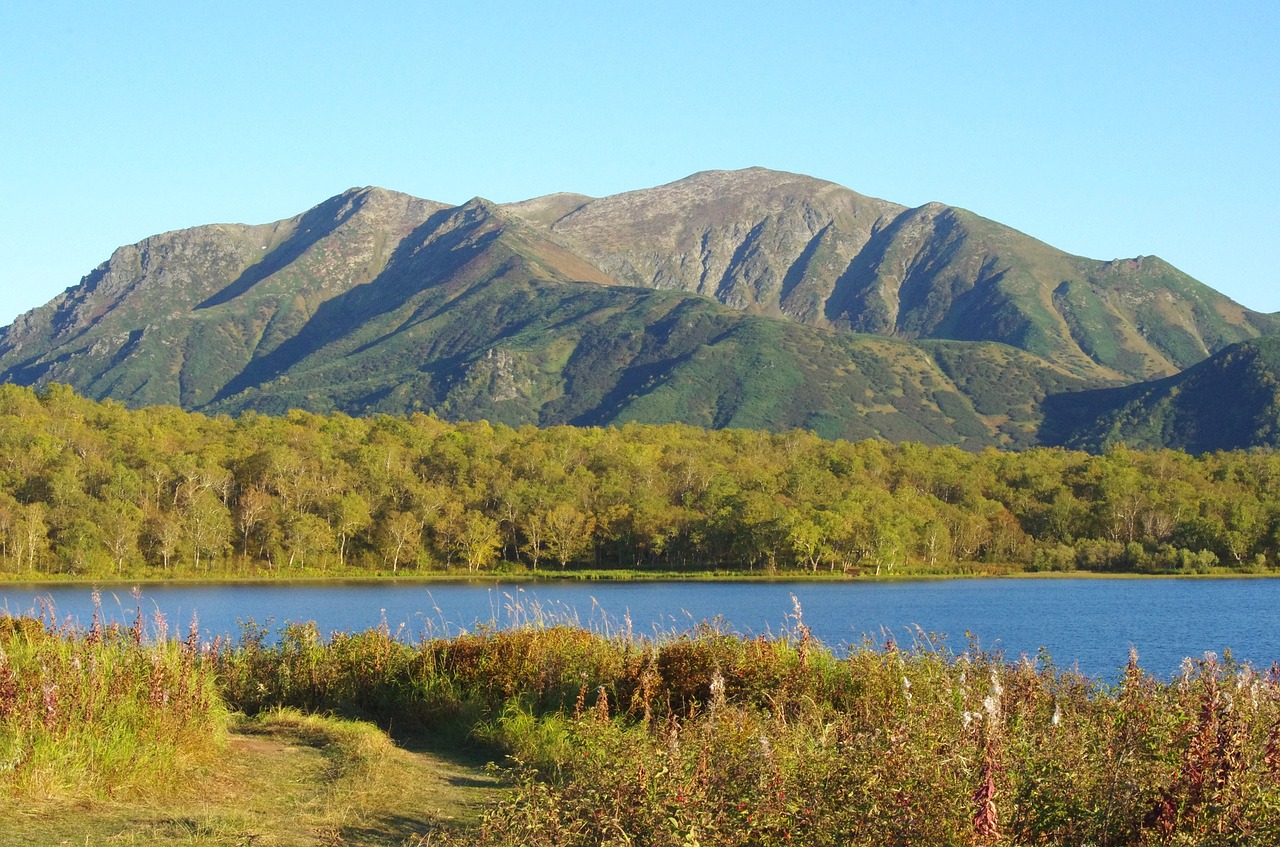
(298, 783)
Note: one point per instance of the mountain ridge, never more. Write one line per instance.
(865, 317)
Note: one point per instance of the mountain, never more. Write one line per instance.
(795, 247)
(728, 299)
(1228, 401)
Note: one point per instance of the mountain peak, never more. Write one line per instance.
(479, 204)
(752, 180)
(546, 210)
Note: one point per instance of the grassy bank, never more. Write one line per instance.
(700, 737)
(517, 574)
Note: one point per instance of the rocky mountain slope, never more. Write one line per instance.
(745, 298)
(792, 246)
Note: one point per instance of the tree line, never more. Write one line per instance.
(95, 489)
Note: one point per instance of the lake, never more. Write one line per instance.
(1089, 623)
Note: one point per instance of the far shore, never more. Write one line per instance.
(605, 575)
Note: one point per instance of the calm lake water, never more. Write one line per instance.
(1091, 623)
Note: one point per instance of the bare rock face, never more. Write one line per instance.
(757, 240)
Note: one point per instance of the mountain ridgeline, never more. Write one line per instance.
(751, 299)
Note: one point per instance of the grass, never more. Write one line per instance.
(92, 714)
(507, 572)
(697, 737)
(286, 779)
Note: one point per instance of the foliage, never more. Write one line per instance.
(90, 490)
(704, 737)
(101, 712)
(893, 746)
(700, 737)
(1227, 401)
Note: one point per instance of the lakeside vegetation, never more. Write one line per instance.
(700, 737)
(95, 491)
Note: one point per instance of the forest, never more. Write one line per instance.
(94, 490)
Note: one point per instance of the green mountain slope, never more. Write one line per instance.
(509, 336)
(174, 318)
(1229, 401)
(729, 299)
(791, 246)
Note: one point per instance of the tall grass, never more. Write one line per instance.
(705, 737)
(715, 740)
(102, 711)
(701, 737)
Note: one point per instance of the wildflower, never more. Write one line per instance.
(985, 816)
(717, 691)
(50, 693)
(991, 703)
(1247, 681)
(602, 704)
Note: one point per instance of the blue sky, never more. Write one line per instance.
(1109, 130)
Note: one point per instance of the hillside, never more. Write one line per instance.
(795, 247)
(728, 299)
(1230, 400)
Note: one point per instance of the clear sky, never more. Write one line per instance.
(1106, 129)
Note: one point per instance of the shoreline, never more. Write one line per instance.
(607, 576)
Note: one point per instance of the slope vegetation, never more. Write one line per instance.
(728, 299)
(1226, 402)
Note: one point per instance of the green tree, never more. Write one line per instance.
(208, 527)
(478, 539)
(120, 526)
(307, 535)
(349, 514)
(805, 538)
(30, 535)
(254, 509)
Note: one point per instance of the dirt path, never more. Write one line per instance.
(290, 781)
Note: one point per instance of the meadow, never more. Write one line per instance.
(696, 737)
